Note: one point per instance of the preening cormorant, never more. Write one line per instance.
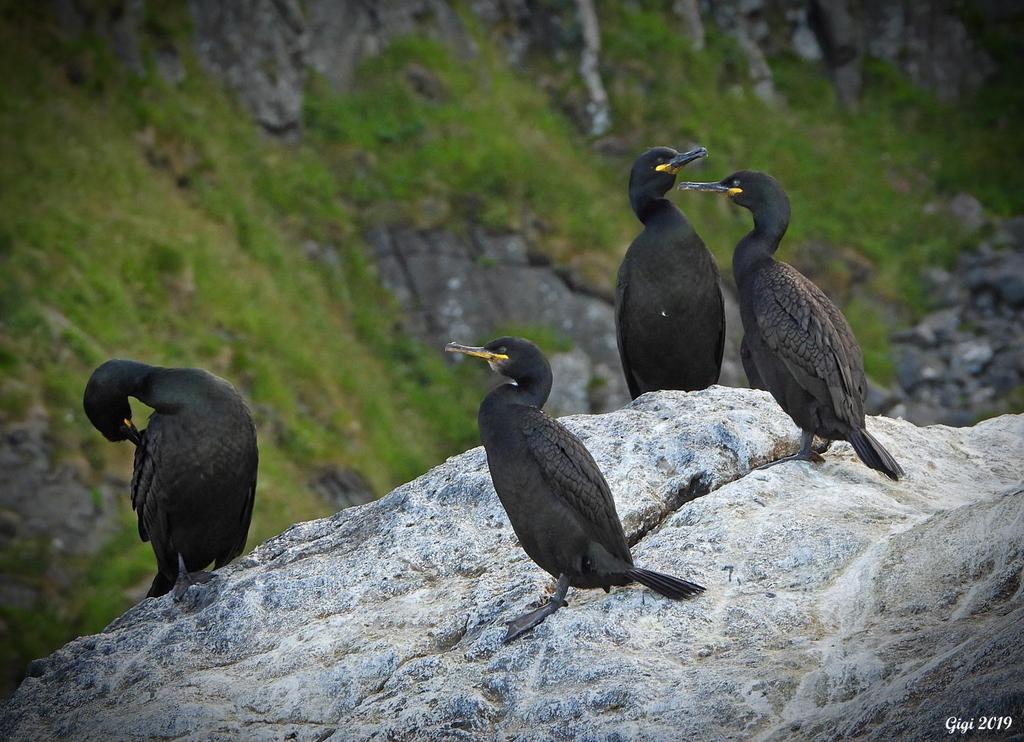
(800, 345)
(194, 479)
(555, 495)
(669, 313)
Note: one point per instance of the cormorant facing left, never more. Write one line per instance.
(799, 344)
(554, 494)
(194, 478)
(669, 314)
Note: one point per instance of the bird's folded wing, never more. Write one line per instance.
(810, 336)
(573, 475)
(621, 331)
(143, 482)
(246, 516)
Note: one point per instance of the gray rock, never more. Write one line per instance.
(344, 33)
(168, 65)
(839, 604)
(839, 36)
(342, 488)
(879, 400)
(970, 357)
(450, 288)
(732, 367)
(573, 374)
(928, 43)
(805, 43)
(258, 48)
(49, 499)
(744, 22)
(118, 22)
(915, 367)
(1010, 233)
(598, 105)
(968, 211)
(689, 13)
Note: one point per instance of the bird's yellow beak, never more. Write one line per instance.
(710, 187)
(469, 350)
(676, 164)
(133, 433)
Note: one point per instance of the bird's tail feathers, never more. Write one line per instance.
(670, 587)
(873, 453)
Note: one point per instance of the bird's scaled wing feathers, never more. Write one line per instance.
(572, 474)
(144, 484)
(810, 336)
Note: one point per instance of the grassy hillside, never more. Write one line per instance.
(154, 222)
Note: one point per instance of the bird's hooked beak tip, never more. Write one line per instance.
(677, 163)
(476, 352)
(131, 432)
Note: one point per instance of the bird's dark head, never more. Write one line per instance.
(654, 172)
(106, 399)
(753, 190)
(516, 358)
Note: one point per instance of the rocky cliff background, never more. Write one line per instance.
(308, 198)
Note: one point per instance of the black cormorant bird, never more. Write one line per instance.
(194, 479)
(801, 348)
(555, 495)
(753, 377)
(669, 314)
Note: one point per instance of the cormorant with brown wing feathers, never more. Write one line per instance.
(551, 488)
(801, 348)
(194, 478)
(669, 313)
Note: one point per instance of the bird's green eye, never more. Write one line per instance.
(503, 350)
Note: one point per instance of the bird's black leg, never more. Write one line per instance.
(522, 624)
(806, 453)
(186, 579)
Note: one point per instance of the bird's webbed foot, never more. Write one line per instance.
(806, 452)
(186, 579)
(811, 456)
(521, 624)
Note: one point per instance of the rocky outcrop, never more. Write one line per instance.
(264, 49)
(50, 517)
(929, 43)
(258, 48)
(838, 604)
(965, 359)
(468, 289)
(343, 34)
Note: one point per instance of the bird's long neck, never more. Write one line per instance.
(151, 385)
(531, 390)
(649, 207)
(758, 246)
(131, 380)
